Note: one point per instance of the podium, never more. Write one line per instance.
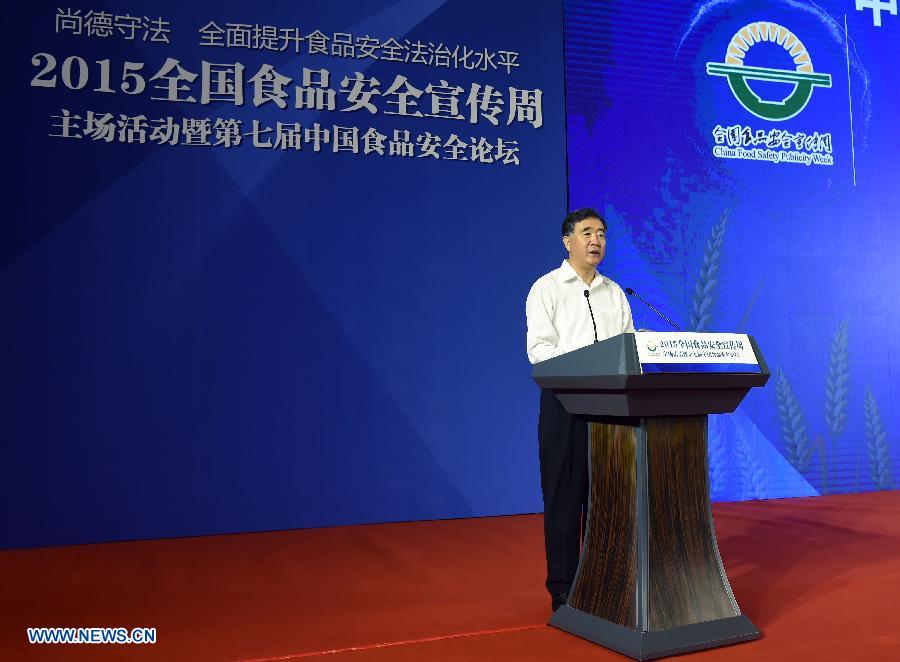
(650, 581)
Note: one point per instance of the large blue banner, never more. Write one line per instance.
(745, 155)
(264, 266)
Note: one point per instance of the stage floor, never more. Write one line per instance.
(819, 576)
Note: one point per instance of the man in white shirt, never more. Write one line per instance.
(567, 309)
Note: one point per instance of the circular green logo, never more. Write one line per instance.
(802, 77)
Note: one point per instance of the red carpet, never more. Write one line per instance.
(820, 577)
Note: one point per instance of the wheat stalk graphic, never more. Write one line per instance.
(793, 423)
(705, 289)
(877, 447)
(837, 386)
(753, 468)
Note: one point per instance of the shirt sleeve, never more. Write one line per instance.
(542, 339)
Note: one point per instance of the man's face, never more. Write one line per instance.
(587, 244)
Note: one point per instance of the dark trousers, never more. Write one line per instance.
(563, 448)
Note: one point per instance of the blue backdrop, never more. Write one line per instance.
(205, 338)
(210, 325)
(732, 220)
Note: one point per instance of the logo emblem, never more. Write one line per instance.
(803, 78)
(651, 345)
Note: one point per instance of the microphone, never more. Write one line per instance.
(631, 292)
(587, 297)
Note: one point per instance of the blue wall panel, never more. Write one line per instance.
(801, 256)
(207, 339)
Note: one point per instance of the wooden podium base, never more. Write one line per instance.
(650, 581)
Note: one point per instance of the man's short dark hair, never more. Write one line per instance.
(568, 225)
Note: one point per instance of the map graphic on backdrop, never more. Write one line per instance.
(760, 205)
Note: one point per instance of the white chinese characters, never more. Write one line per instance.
(221, 82)
(287, 136)
(877, 6)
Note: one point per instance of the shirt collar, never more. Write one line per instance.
(568, 274)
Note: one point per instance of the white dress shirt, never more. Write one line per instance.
(558, 317)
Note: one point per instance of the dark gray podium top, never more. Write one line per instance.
(605, 379)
